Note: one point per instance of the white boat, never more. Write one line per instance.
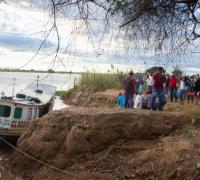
(31, 103)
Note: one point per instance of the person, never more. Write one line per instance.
(141, 87)
(138, 101)
(167, 85)
(150, 82)
(172, 86)
(159, 81)
(148, 100)
(121, 100)
(129, 87)
(183, 90)
(197, 89)
(197, 85)
(191, 94)
(198, 97)
(137, 82)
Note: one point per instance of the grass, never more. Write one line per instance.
(102, 82)
(191, 110)
(60, 93)
(185, 131)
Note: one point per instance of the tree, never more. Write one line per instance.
(177, 72)
(154, 69)
(159, 25)
(168, 24)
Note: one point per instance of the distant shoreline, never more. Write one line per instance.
(37, 71)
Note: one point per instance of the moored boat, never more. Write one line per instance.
(27, 105)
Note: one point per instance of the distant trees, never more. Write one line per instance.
(177, 72)
(51, 71)
(154, 69)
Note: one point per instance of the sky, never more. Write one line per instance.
(23, 28)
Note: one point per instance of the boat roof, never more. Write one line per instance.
(43, 92)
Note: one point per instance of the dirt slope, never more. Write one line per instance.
(110, 144)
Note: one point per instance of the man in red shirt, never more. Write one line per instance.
(158, 90)
(172, 86)
(129, 87)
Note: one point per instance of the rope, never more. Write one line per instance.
(37, 160)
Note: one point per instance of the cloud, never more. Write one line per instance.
(21, 42)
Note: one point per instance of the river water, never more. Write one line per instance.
(61, 81)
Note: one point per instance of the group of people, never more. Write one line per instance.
(153, 90)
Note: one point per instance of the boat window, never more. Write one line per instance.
(18, 113)
(29, 116)
(5, 111)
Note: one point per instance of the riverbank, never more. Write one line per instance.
(103, 143)
(95, 139)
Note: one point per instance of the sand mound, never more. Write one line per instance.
(77, 134)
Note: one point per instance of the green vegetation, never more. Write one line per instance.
(98, 82)
(185, 131)
(60, 93)
(101, 82)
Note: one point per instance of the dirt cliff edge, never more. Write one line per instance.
(124, 143)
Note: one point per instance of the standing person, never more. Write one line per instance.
(129, 87)
(159, 81)
(183, 90)
(172, 86)
(141, 87)
(167, 85)
(150, 82)
(137, 82)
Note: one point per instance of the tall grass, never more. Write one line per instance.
(102, 82)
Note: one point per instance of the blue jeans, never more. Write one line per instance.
(161, 97)
(173, 94)
(128, 100)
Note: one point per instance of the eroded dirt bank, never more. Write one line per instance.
(110, 144)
